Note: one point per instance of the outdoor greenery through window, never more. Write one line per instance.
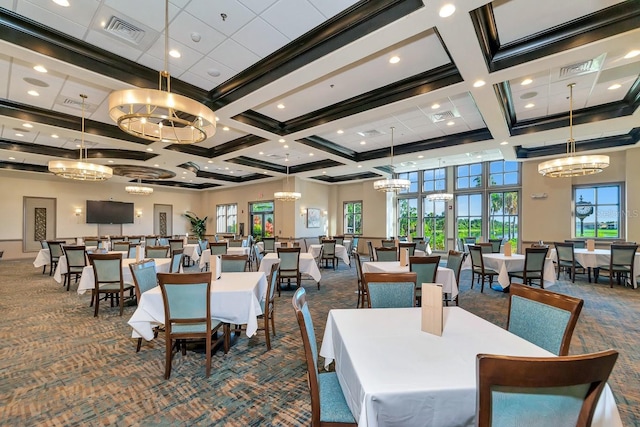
(408, 217)
(469, 215)
(469, 176)
(262, 219)
(352, 217)
(433, 222)
(503, 216)
(597, 211)
(226, 218)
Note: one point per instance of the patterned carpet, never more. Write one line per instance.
(60, 366)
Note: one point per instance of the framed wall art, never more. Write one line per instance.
(313, 218)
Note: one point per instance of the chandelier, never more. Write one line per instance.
(573, 165)
(287, 196)
(389, 185)
(439, 196)
(138, 189)
(80, 170)
(159, 115)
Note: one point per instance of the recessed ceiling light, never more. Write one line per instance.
(54, 136)
(286, 159)
(261, 153)
(12, 158)
(78, 145)
(230, 171)
(33, 93)
(615, 86)
(19, 134)
(226, 169)
(184, 172)
(184, 177)
(281, 140)
(40, 69)
(447, 10)
(213, 72)
(285, 146)
(421, 156)
(156, 165)
(209, 161)
(174, 53)
(435, 106)
(363, 142)
(504, 142)
(526, 82)
(109, 161)
(340, 131)
(217, 119)
(478, 157)
(394, 60)
(530, 105)
(311, 154)
(632, 54)
(264, 172)
(149, 149)
(225, 128)
(280, 106)
(451, 123)
(63, 3)
(359, 166)
(324, 172)
(206, 167)
(27, 125)
(479, 83)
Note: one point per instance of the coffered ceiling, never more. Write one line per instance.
(314, 79)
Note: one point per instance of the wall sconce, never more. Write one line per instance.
(78, 211)
(324, 213)
(303, 211)
(138, 214)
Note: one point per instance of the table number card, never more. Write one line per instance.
(139, 253)
(404, 256)
(591, 245)
(432, 320)
(215, 263)
(507, 249)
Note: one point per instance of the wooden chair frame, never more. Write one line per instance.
(118, 293)
(288, 276)
(228, 257)
(388, 278)
(482, 272)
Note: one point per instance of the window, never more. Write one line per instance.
(262, 219)
(226, 218)
(503, 216)
(408, 217)
(413, 179)
(502, 172)
(597, 211)
(469, 215)
(352, 217)
(469, 176)
(433, 223)
(434, 180)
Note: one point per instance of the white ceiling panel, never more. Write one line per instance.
(206, 65)
(234, 55)
(185, 25)
(157, 64)
(260, 37)
(293, 17)
(237, 15)
(5, 69)
(257, 6)
(149, 12)
(68, 20)
(329, 8)
(113, 45)
(188, 56)
(7, 4)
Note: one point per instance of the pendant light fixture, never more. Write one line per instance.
(138, 189)
(389, 185)
(159, 115)
(287, 196)
(573, 165)
(440, 195)
(80, 170)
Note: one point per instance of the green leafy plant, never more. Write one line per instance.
(198, 225)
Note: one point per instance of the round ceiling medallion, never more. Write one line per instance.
(141, 172)
(35, 82)
(528, 95)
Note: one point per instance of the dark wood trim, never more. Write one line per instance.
(344, 178)
(187, 185)
(92, 153)
(219, 150)
(355, 22)
(327, 146)
(258, 164)
(321, 164)
(229, 178)
(260, 121)
(24, 167)
(616, 19)
(592, 144)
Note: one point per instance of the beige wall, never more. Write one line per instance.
(374, 206)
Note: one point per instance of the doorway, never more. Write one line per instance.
(262, 219)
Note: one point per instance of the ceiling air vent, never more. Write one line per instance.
(580, 68)
(87, 144)
(75, 103)
(125, 30)
(442, 116)
(370, 133)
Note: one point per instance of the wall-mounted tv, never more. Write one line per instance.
(108, 212)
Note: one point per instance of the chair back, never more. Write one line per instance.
(157, 251)
(372, 253)
(339, 240)
(218, 248)
(410, 245)
(234, 263)
(144, 276)
(495, 245)
(421, 245)
(90, 241)
(577, 244)
(175, 244)
(150, 241)
(235, 243)
(386, 254)
(284, 244)
(470, 240)
(310, 345)
(354, 244)
(461, 246)
(76, 256)
(390, 290)
(425, 267)
(120, 246)
(107, 268)
(476, 257)
(289, 259)
(43, 244)
(134, 240)
(269, 244)
(117, 239)
(258, 254)
(270, 294)
(388, 243)
(187, 305)
(55, 249)
(358, 270)
(623, 255)
(203, 245)
(192, 240)
(534, 259)
(530, 391)
(486, 248)
(455, 260)
(545, 318)
(564, 252)
(328, 248)
(176, 260)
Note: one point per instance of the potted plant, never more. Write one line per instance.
(198, 225)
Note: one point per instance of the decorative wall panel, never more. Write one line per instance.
(40, 224)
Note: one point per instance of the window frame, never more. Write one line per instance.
(345, 215)
(227, 216)
(622, 214)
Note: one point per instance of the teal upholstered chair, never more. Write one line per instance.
(55, 252)
(390, 290)
(363, 297)
(258, 255)
(150, 241)
(409, 245)
(176, 260)
(76, 262)
(487, 248)
(187, 314)
(422, 244)
(620, 263)
(388, 243)
(218, 248)
(203, 245)
(328, 405)
(107, 272)
(269, 244)
(144, 278)
(176, 244)
(236, 243)
(134, 240)
(546, 319)
(454, 262)
(121, 246)
(289, 267)
(534, 259)
(353, 249)
(470, 240)
(339, 240)
(386, 254)
(567, 261)
(478, 268)
(496, 244)
(267, 304)
(91, 242)
(540, 391)
(577, 244)
(157, 251)
(426, 268)
(234, 263)
(329, 253)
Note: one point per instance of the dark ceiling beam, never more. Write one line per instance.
(321, 164)
(329, 147)
(229, 178)
(616, 19)
(65, 153)
(353, 23)
(34, 36)
(344, 178)
(258, 164)
(23, 167)
(241, 143)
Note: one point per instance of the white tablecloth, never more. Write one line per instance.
(87, 280)
(206, 254)
(191, 250)
(307, 265)
(235, 299)
(42, 258)
(596, 258)
(62, 266)
(420, 379)
(444, 276)
(504, 264)
(341, 252)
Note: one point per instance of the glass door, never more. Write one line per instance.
(262, 219)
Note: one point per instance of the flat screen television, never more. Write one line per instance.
(108, 212)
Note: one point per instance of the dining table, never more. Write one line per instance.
(42, 258)
(340, 251)
(235, 299)
(444, 276)
(307, 264)
(191, 250)
(205, 258)
(394, 374)
(597, 257)
(515, 262)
